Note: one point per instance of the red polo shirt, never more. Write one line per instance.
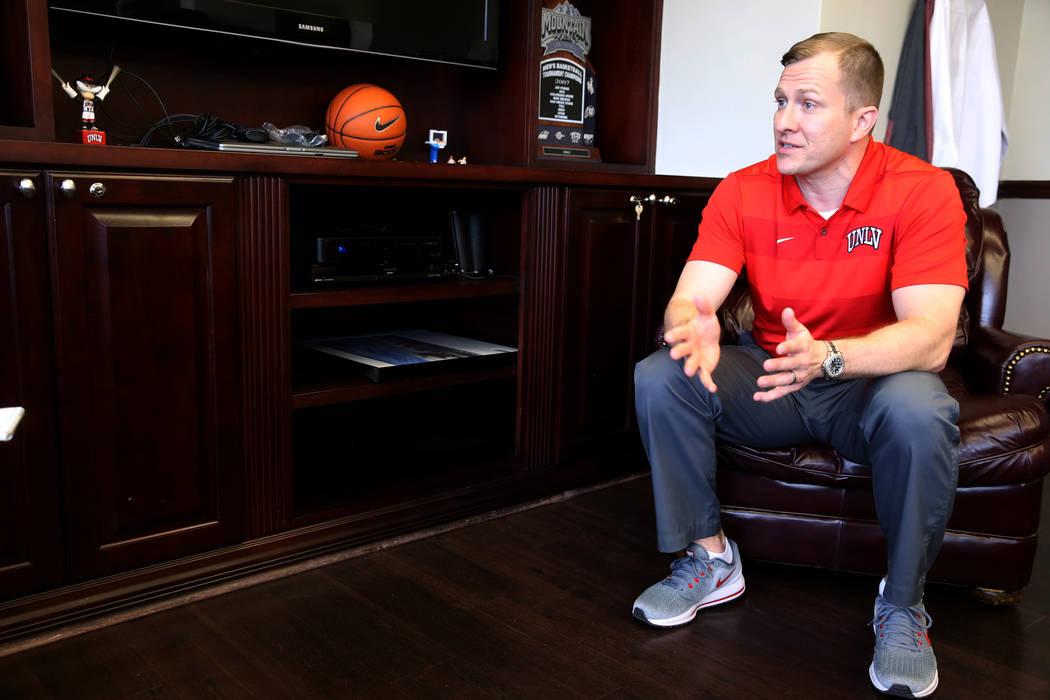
(900, 224)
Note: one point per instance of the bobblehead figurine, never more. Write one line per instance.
(88, 90)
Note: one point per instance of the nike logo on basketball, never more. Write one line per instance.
(723, 580)
(781, 240)
(382, 126)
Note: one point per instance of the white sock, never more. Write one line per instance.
(726, 556)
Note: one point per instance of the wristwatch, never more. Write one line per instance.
(834, 364)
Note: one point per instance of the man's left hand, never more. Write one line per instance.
(798, 361)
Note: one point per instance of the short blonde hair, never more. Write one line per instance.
(859, 63)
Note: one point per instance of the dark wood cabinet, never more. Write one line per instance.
(148, 357)
(178, 432)
(30, 517)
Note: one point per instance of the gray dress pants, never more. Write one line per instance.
(903, 425)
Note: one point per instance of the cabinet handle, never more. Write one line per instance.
(27, 187)
(640, 201)
(97, 189)
(68, 188)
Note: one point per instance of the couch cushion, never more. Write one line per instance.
(1003, 440)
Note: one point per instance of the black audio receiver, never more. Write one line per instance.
(376, 258)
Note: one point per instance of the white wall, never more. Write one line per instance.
(1021, 36)
(883, 24)
(1029, 101)
(720, 64)
(1006, 26)
(1026, 223)
(721, 61)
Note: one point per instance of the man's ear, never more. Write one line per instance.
(864, 119)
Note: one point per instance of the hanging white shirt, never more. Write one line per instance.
(969, 127)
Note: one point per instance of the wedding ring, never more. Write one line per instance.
(794, 377)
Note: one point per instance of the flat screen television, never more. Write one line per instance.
(463, 32)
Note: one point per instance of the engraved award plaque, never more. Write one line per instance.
(568, 86)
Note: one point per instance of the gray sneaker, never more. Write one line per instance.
(904, 663)
(696, 581)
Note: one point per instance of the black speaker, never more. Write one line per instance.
(477, 244)
(470, 241)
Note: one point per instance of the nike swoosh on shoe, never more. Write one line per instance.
(723, 580)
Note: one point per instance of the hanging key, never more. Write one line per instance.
(639, 207)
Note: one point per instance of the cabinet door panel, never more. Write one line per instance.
(606, 299)
(621, 271)
(30, 534)
(148, 368)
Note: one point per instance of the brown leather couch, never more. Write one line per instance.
(808, 505)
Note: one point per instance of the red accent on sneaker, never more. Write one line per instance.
(723, 580)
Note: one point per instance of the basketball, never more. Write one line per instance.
(367, 119)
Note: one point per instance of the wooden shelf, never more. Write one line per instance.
(397, 293)
(319, 391)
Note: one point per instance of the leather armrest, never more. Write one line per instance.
(658, 339)
(1001, 362)
(737, 313)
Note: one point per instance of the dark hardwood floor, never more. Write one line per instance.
(534, 604)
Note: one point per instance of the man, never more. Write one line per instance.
(855, 257)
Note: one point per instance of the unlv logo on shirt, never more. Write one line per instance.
(865, 235)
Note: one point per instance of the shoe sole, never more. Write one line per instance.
(732, 589)
(900, 690)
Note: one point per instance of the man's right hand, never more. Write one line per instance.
(697, 341)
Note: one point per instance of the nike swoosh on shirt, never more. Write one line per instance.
(781, 240)
(381, 126)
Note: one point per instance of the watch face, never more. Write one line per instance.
(835, 365)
